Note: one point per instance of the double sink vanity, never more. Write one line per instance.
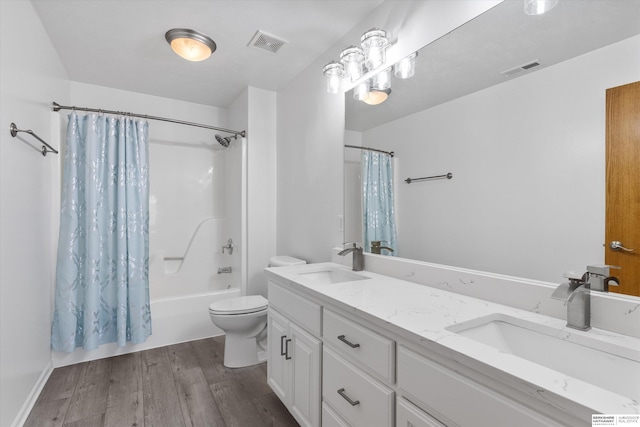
(359, 348)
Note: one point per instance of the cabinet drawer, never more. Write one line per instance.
(447, 394)
(330, 418)
(408, 415)
(358, 398)
(302, 311)
(362, 344)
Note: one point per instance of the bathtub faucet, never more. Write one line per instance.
(228, 246)
(224, 270)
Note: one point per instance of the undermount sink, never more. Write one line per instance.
(611, 367)
(330, 276)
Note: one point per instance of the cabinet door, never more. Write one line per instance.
(277, 364)
(306, 362)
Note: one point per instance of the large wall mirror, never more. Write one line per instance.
(525, 143)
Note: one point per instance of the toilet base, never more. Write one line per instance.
(242, 352)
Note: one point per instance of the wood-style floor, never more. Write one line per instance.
(178, 385)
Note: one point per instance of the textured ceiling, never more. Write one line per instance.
(120, 44)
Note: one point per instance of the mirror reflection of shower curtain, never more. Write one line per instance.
(102, 275)
(379, 221)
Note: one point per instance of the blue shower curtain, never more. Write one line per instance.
(102, 276)
(377, 196)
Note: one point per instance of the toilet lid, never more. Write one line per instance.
(239, 305)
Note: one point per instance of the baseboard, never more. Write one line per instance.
(27, 406)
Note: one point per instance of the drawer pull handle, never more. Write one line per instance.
(347, 398)
(282, 350)
(350, 344)
(286, 349)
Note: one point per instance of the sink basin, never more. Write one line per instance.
(605, 365)
(329, 276)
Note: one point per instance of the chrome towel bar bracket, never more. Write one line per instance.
(46, 148)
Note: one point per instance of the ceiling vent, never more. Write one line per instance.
(521, 68)
(266, 41)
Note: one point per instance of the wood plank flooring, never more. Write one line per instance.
(178, 385)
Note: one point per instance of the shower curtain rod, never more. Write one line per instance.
(58, 107)
(390, 153)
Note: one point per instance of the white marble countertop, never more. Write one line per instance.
(423, 314)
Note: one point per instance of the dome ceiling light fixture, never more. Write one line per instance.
(190, 44)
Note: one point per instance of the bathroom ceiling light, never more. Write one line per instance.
(538, 7)
(377, 96)
(190, 44)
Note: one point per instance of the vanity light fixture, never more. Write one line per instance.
(352, 58)
(190, 44)
(333, 73)
(356, 62)
(374, 44)
(362, 91)
(538, 7)
(406, 67)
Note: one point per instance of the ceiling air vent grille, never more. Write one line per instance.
(266, 41)
(521, 68)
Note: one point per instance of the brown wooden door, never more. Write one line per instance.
(623, 185)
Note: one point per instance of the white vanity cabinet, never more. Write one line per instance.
(335, 367)
(294, 360)
(458, 399)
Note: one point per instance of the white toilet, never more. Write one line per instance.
(244, 322)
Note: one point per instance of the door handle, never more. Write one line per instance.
(617, 246)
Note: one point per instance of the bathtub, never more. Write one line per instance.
(174, 320)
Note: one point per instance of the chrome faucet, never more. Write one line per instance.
(577, 293)
(358, 256)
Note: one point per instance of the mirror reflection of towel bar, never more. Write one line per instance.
(427, 178)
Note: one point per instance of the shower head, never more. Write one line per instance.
(224, 141)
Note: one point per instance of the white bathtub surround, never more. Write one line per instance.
(422, 316)
(609, 311)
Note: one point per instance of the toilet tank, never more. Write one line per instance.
(283, 260)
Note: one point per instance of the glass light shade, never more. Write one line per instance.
(377, 97)
(406, 67)
(361, 91)
(353, 60)
(333, 74)
(382, 80)
(190, 44)
(374, 44)
(538, 7)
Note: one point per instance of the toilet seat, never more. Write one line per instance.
(239, 305)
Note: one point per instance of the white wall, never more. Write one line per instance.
(261, 187)
(527, 196)
(255, 111)
(311, 125)
(31, 77)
